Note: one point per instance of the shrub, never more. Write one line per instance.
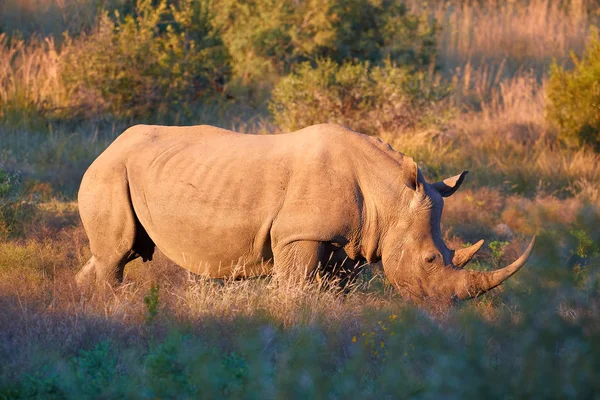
(161, 58)
(374, 30)
(15, 212)
(364, 97)
(95, 369)
(574, 97)
(268, 37)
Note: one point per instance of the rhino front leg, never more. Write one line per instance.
(299, 259)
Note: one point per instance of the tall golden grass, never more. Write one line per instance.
(30, 76)
(524, 33)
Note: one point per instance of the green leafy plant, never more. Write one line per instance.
(15, 211)
(366, 98)
(165, 368)
(151, 301)
(8, 183)
(585, 244)
(497, 248)
(267, 37)
(376, 30)
(95, 369)
(165, 56)
(236, 370)
(574, 97)
(39, 385)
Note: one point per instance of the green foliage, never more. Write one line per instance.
(151, 301)
(15, 211)
(95, 369)
(574, 97)
(408, 354)
(375, 341)
(366, 98)
(236, 367)
(584, 253)
(375, 30)
(266, 37)
(164, 57)
(39, 385)
(165, 369)
(181, 365)
(586, 246)
(497, 248)
(8, 184)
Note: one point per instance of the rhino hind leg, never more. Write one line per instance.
(115, 234)
(103, 272)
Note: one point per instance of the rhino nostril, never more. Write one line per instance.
(430, 257)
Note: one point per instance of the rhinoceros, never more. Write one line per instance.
(213, 200)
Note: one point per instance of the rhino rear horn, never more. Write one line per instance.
(461, 257)
(448, 186)
(473, 283)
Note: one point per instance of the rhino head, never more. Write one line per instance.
(417, 261)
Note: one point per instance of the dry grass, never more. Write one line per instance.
(504, 142)
(30, 79)
(524, 34)
(40, 273)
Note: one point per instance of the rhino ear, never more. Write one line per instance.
(410, 173)
(448, 186)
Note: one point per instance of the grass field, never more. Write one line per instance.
(167, 334)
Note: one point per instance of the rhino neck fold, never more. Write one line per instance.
(376, 223)
(384, 197)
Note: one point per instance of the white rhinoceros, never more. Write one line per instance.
(222, 204)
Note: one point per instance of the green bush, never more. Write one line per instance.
(267, 37)
(162, 58)
(15, 211)
(574, 97)
(407, 354)
(365, 98)
(375, 30)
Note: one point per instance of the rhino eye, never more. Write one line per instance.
(430, 257)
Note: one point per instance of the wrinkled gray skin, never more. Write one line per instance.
(225, 204)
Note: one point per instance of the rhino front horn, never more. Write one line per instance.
(461, 257)
(473, 283)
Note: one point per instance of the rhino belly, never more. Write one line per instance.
(214, 241)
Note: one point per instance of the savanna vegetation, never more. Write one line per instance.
(507, 90)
